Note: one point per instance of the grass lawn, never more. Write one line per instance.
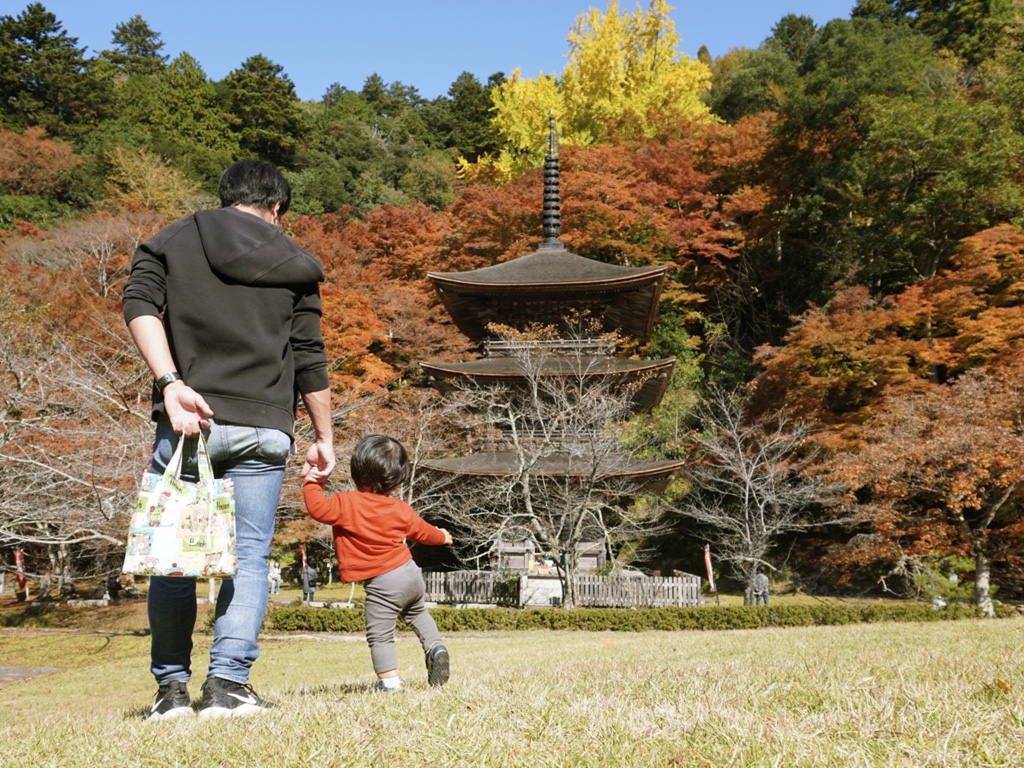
(943, 694)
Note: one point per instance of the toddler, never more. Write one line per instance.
(370, 529)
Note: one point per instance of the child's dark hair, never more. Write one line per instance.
(379, 463)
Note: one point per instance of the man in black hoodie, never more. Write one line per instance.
(225, 311)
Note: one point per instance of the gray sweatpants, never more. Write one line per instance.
(396, 593)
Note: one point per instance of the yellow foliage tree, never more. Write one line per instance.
(138, 179)
(624, 75)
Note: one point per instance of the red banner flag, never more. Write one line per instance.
(707, 564)
(19, 564)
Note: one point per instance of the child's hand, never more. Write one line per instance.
(312, 474)
(319, 463)
(447, 536)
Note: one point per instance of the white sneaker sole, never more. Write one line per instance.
(242, 710)
(171, 714)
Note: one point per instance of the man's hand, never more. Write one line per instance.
(319, 462)
(186, 409)
(447, 536)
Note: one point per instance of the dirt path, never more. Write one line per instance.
(12, 674)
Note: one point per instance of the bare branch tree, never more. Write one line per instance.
(546, 464)
(73, 440)
(751, 483)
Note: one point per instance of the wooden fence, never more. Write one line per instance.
(637, 591)
(484, 587)
(461, 587)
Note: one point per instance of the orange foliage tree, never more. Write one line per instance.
(840, 363)
(942, 473)
(75, 398)
(32, 164)
(871, 375)
(689, 197)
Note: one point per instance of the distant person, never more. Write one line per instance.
(309, 584)
(370, 530)
(760, 589)
(274, 577)
(114, 587)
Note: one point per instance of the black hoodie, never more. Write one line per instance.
(241, 307)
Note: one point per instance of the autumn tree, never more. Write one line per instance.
(141, 180)
(34, 174)
(751, 482)
(841, 362)
(885, 161)
(376, 266)
(74, 411)
(625, 77)
(942, 472)
(32, 164)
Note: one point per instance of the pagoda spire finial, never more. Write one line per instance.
(552, 200)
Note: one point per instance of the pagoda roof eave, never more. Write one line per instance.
(551, 269)
(490, 368)
(640, 477)
(505, 464)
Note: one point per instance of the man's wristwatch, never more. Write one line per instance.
(167, 378)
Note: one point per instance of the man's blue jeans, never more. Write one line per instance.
(254, 458)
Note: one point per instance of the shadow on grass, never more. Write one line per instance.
(331, 689)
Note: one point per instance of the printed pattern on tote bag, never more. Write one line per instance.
(180, 528)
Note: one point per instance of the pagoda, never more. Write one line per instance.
(545, 288)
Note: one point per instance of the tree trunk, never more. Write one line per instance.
(568, 570)
(748, 593)
(982, 574)
(66, 581)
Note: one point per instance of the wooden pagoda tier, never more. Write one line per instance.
(547, 286)
(636, 477)
(650, 377)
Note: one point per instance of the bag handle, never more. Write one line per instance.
(202, 461)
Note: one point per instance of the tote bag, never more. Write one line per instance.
(182, 528)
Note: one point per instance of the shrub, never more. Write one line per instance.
(625, 619)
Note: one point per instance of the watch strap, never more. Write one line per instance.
(167, 378)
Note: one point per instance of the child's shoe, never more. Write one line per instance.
(437, 664)
(379, 687)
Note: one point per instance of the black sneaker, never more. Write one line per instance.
(172, 700)
(226, 698)
(437, 664)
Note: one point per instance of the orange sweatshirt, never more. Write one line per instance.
(369, 530)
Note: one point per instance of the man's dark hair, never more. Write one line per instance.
(379, 463)
(254, 182)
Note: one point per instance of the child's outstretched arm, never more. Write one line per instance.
(423, 532)
(317, 504)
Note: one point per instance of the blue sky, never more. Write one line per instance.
(422, 43)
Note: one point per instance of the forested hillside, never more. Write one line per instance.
(840, 210)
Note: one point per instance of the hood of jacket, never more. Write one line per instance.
(242, 247)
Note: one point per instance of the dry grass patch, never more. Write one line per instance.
(946, 694)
